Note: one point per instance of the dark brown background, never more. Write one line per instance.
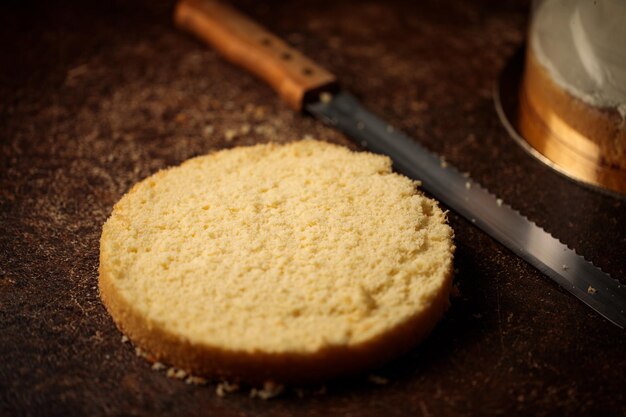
(96, 97)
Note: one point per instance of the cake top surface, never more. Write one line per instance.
(581, 43)
(278, 248)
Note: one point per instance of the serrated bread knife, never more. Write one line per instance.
(305, 86)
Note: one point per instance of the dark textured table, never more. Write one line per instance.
(95, 97)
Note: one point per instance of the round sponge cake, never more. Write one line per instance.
(293, 263)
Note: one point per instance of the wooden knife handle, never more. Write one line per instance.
(243, 42)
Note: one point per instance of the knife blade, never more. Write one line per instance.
(306, 86)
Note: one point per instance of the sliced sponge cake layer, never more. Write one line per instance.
(291, 263)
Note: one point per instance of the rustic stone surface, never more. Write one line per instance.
(96, 97)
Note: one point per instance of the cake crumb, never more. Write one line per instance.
(326, 97)
(443, 163)
(265, 130)
(564, 267)
(176, 373)
(468, 185)
(229, 135)
(195, 380)
(158, 366)
(378, 380)
(591, 290)
(224, 388)
(140, 352)
(499, 202)
(270, 390)
(125, 339)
